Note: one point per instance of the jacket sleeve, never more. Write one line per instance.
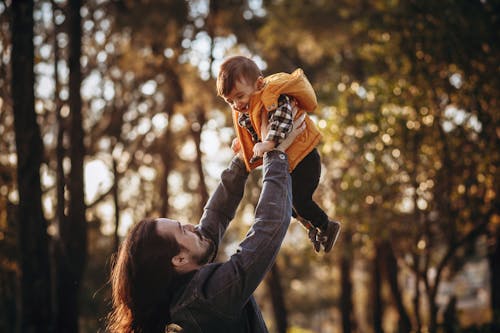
(222, 205)
(231, 285)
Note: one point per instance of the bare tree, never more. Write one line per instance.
(32, 226)
(73, 231)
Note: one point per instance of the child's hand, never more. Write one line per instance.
(262, 147)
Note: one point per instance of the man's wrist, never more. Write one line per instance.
(276, 153)
(238, 165)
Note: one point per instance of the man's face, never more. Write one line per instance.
(199, 248)
(239, 97)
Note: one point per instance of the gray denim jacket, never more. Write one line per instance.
(218, 297)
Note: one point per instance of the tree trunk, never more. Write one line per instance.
(167, 162)
(167, 149)
(377, 305)
(416, 298)
(116, 179)
(73, 232)
(277, 298)
(60, 176)
(9, 271)
(391, 273)
(494, 264)
(196, 129)
(32, 227)
(60, 152)
(415, 140)
(8, 306)
(433, 310)
(346, 306)
(450, 318)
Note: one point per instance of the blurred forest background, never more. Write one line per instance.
(109, 114)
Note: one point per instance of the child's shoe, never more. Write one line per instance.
(312, 231)
(313, 236)
(329, 236)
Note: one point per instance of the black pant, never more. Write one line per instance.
(305, 180)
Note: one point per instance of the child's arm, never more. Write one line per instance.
(280, 120)
(280, 124)
(261, 147)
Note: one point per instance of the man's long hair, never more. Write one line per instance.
(143, 280)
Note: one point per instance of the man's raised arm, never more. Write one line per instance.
(243, 272)
(222, 205)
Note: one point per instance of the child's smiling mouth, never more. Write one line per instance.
(242, 109)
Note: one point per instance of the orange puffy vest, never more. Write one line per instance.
(265, 100)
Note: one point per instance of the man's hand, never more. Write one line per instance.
(236, 147)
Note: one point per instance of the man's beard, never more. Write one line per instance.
(208, 256)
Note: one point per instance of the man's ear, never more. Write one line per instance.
(183, 263)
(180, 260)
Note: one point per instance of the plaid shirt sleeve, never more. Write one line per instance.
(280, 120)
(245, 122)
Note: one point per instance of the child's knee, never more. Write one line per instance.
(301, 204)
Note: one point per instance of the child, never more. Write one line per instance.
(259, 104)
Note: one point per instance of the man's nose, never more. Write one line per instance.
(189, 227)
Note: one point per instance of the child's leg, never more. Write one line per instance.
(305, 180)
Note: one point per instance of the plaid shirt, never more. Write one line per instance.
(280, 121)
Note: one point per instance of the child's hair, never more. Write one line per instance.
(234, 69)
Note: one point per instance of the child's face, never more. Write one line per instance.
(239, 97)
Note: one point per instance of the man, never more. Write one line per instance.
(163, 278)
